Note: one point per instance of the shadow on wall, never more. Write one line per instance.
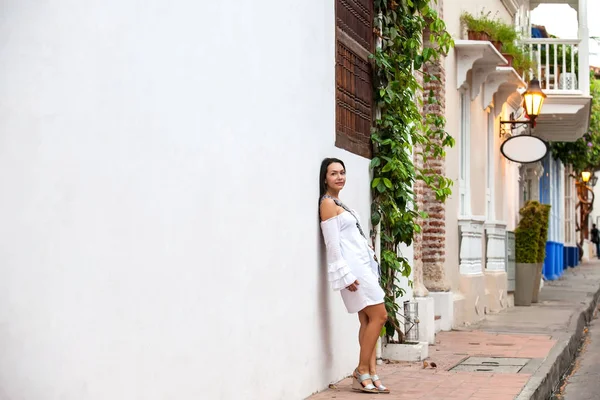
(323, 303)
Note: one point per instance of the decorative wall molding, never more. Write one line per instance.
(471, 236)
(531, 174)
(505, 78)
(533, 4)
(511, 6)
(479, 57)
(495, 233)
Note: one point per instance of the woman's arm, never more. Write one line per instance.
(338, 271)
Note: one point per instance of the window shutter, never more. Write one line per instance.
(354, 90)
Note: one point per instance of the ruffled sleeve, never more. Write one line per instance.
(338, 271)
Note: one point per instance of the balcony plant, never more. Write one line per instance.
(518, 58)
(485, 27)
(544, 211)
(527, 239)
(478, 28)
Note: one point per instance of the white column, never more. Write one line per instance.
(584, 48)
(531, 174)
(551, 199)
(490, 179)
(561, 204)
(464, 179)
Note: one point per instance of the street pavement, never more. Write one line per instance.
(584, 382)
(547, 333)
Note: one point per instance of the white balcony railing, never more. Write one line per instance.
(557, 64)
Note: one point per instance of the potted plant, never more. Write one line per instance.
(508, 51)
(505, 35)
(477, 28)
(544, 210)
(527, 239)
(522, 63)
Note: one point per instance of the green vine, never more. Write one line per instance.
(401, 130)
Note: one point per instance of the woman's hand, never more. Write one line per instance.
(353, 287)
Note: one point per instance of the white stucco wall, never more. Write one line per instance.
(159, 164)
(478, 136)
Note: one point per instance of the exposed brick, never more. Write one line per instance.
(430, 244)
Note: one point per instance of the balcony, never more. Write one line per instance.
(563, 69)
(557, 63)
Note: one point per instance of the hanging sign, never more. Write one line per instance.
(524, 149)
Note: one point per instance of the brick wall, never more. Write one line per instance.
(429, 248)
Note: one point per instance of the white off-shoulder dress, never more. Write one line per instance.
(350, 258)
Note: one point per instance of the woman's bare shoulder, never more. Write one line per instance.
(328, 209)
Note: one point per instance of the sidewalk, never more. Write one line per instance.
(548, 333)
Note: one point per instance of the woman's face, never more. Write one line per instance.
(336, 176)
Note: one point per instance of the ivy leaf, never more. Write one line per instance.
(387, 168)
(375, 218)
(401, 126)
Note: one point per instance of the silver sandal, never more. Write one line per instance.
(357, 383)
(380, 388)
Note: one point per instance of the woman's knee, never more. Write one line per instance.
(382, 315)
(378, 314)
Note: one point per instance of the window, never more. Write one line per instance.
(354, 90)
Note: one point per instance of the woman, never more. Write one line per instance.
(352, 269)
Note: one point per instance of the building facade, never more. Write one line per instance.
(160, 225)
(160, 219)
(474, 278)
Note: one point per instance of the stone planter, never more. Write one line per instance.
(536, 283)
(406, 351)
(524, 283)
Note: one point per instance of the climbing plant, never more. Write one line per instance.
(402, 130)
(584, 153)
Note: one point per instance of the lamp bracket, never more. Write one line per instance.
(507, 127)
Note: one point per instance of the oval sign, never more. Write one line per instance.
(524, 149)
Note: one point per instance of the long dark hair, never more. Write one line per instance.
(323, 174)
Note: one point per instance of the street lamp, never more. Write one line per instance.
(584, 207)
(525, 149)
(533, 99)
(585, 176)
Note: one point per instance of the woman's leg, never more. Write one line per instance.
(373, 362)
(364, 320)
(377, 316)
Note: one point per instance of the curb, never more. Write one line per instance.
(542, 384)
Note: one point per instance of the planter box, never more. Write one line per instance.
(509, 60)
(525, 278)
(497, 45)
(406, 351)
(472, 35)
